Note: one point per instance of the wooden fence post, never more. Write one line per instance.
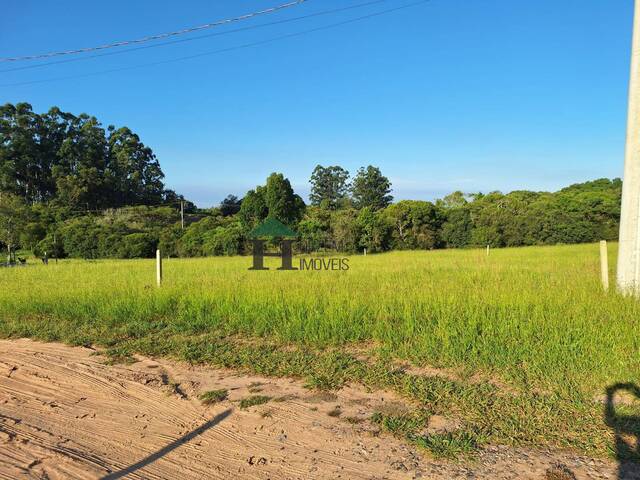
(604, 265)
(158, 268)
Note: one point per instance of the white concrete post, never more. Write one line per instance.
(604, 265)
(158, 268)
(628, 274)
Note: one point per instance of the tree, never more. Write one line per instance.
(79, 169)
(371, 189)
(29, 144)
(137, 245)
(212, 236)
(345, 230)
(134, 170)
(73, 161)
(314, 229)
(456, 199)
(456, 230)
(329, 186)
(81, 238)
(254, 208)
(230, 205)
(282, 203)
(228, 240)
(193, 242)
(169, 197)
(13, 218)
(489, 219)
(274, 200)
(51, 245)
(416, 224)
(168, 240)
(54, 165)
(375, 231)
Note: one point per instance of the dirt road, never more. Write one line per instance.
(65, 414)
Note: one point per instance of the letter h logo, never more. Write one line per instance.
(272, 229)
(286, 254)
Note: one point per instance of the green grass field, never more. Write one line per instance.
(526, 339)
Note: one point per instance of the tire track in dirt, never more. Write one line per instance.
(75, 417)
(65, 414)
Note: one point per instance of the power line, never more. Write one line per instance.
(123, 207)
(224, 50)
(182, 40)
(158, 36)
(177, 204)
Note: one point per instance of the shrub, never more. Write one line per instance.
(137, 245)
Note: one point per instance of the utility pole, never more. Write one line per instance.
(182, 213)
(629, 248)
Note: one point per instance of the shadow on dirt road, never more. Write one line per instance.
(169, 448)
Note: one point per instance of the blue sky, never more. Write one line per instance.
(475, 95)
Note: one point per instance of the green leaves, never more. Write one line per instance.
(274, 200)
(329, 186)
(72, 160)
(371, 189)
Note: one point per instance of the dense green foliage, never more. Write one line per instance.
(69, 187)
(371, 189)
(581, 213)
(329, 186)
(73, 160)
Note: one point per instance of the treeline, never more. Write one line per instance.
(70, 188)
(581, 213)
(73, 162)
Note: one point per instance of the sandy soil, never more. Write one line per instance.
(65, 414)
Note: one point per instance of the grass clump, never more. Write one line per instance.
(214, 396)
(399, 425)
(439, 444)
(447, 445)
(254, 400)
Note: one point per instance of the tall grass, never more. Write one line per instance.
(533, 316)
(528, 336)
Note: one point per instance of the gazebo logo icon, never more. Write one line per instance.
(272, 229)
